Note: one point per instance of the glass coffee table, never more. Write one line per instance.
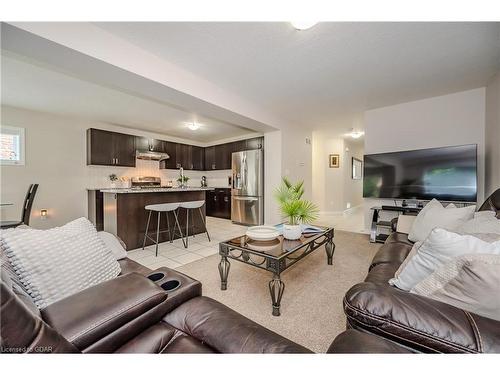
(274, 256)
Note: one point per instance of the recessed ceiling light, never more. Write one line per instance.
(303, 25)
(193, 126)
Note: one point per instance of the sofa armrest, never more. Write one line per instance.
(419, 322)
(225, 330)
(89, 316)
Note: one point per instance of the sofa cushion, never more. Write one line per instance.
(469, 282)
(382, 273)
(225, 330)
(356, 342)
(419, 322)
(393, 252)
(114, 244)
(163, 338)
(58, 262)
(399, 237)
(439, 248)
(483, 222)
(434, 215)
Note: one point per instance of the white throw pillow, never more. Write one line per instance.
(410, 255)
(483, 222)
(55, 263)
(113, 244)
(469, 282)
(439, 248)
(434, 215)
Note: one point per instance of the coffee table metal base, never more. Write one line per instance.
(276, 265)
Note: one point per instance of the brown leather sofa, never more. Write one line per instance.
(408, 322)
(132, 313)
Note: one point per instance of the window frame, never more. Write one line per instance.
(17, 131)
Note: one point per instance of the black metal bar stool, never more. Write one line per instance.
(159, 208)
(190, 207)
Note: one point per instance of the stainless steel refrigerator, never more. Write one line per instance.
(247, 193)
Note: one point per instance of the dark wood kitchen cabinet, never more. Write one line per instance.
(210, 158)
(143, 144)
(110, 148)
(184, 156)
(218, 203)
(198, 158)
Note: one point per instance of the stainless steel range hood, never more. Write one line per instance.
(151, 155)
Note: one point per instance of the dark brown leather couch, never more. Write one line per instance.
(407, 321)
(132, 314)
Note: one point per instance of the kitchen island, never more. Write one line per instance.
(125, 216)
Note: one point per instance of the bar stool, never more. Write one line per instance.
(159, 208)
(190, 206)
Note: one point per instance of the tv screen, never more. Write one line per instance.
(445, 173)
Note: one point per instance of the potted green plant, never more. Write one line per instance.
(113, 178)
(183, 180)
(293, 208)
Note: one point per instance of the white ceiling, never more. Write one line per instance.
(35, 87)
(330, 72)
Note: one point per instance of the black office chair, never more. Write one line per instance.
(25, 218)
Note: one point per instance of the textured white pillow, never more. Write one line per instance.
(58, 262)
(483, 222)
(410, 255)
(113, 244)
(434, 215)
(469, 282)
(439, 248)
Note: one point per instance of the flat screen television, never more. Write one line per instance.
(444, 173)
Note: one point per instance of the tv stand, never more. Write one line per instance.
(381, 229)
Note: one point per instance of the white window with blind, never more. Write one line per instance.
(11, 145)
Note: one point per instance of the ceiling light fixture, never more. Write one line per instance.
(355, 134)
(303, 25)
(193, 126)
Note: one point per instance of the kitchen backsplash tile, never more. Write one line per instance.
(98, 176)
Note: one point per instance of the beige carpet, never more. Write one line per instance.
(311, 308)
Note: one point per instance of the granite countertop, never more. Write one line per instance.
(154, 190)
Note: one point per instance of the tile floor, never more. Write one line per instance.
(174, 254)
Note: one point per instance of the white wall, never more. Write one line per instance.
(56, 159)
(448, 120)
(334, 190)
(272, 175)
(353, 189)
(296, 157)
(492, 136)
(328, 183)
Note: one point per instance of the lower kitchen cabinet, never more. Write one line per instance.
(218, 203)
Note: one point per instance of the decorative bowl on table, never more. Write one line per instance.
(262, 233)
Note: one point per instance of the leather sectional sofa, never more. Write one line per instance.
(384, 319)
(163, 311)
(133, 313)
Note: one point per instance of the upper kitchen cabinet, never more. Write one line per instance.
(223, 156)
(238, 146)
(183, 156)
(171, 149)
(210, 158)
(255, 143)
(198, 158)
(110, 148)
(149, 144)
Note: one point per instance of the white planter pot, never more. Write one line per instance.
(292, 232)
